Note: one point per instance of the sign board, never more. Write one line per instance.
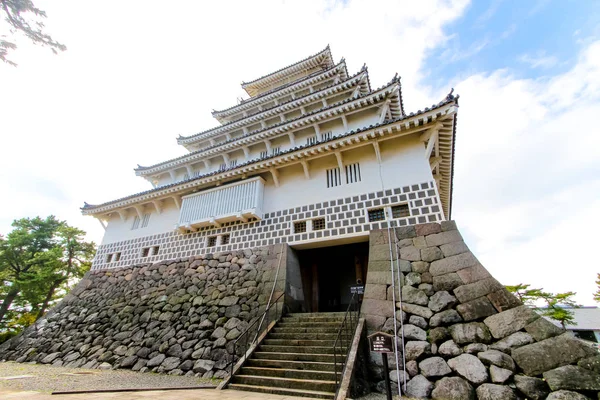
(381, 342)
(357, 289)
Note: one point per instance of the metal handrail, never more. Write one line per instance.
(344, 337)
(265, 316)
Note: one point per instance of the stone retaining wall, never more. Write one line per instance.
(465, 335)
(177, 317)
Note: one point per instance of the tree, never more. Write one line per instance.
(597, 292)
(24, 17)
(37, 259)
(556, 306)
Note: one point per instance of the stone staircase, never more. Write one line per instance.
(295, 359)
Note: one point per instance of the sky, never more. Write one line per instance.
(137, 74)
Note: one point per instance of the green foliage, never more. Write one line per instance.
(40, 259)
(24, 17)
(597, 292)
(556, 306)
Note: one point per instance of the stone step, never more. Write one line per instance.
(329, 358)
(295, 329)
(272, 381)
(296, 365)
(312, 319)
(297, 349)
(299, 342)
(288, 373)
(309, 324)
(317, 314)
(303, 335)
(282, 391)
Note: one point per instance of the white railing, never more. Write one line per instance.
(237, 201)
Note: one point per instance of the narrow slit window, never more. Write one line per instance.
(136, 223)
(311, 140)
(145, 220)
(232, 163)
(318, 224)
(333, 177)
(222, 166)
(264, 154)
(300, 227)
(186, 176)
(400, 211)
(353, 173)
(225, 239)
(377, 214)
(326, 136)
(276, 150)
(212, 241)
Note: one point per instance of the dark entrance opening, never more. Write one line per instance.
(328, 273)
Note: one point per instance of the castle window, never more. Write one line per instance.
(155, 250)
(311, 140)
(300, 227)
(264, 154)
(326, 136)
(400, 211)
(117, 257)
(353, 173)
(108, 258)
(232, 163)
(145, 220)
(377, 214)
(225, 239)
(212, 241)
(333, 177)
(186, 176)
(318, 224)
(222, 166)
(136, 223)
(276, 150)
(145, 251)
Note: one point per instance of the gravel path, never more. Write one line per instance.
(46, 378)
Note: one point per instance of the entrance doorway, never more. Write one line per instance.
(328, 273)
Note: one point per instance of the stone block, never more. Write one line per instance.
(449, 349)
(427, 278)
(533, 388)
(419, 266)
(548, 354)
(405, 266)
(469, 367)
(438, 334)
(515, 340)
(379, 277)
(378, 237)
(413, 279)
(378, 307)
(405, 243)
(374, 322)
(439, 239)
(413, 296)
(448, 226)
(490, 391)
(447, 317)
(431, 254)
(390, 293)
(503, 300)
(415, 350)
(447, 282)
(379, 252)
(591, 363)
(473, 274)
(541, 329)
(412, 332)
(566, 395)
(441, 300)
(410, 253)
(497, 358)
(477, 289)
(475, 309)
(416, 310)
(419, 242)
(375, 291)
(419, 387)
(434, 367)
(405, 232)
(571, 377)
(427, 229)
(470, 332)
(452, 249)
(510, 321)
(453, 264)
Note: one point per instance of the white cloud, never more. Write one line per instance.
(539, 60)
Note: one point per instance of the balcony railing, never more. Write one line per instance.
(237, 201)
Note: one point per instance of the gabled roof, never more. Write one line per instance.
(388, 88)
(322, 58)
(419, 118)
(279, 91)
(251, 119)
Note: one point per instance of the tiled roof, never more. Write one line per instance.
(392, 82)
(265, 110)
(260, 96)
(325, 50)
(446, 101)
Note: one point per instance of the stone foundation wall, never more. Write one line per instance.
(465, 335)
(177, 317)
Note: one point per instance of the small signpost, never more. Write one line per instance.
(358, 289)
(382, 342)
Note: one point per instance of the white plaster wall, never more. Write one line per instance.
(117, 230)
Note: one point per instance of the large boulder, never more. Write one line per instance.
(490, 391)
(414, 350)
(571, 377)
(495, 357)
(434, 367)
(471, 332)
(469, 367)
(566, 395)
(441, 300)
(510, 321)
(533, 388)
(419, 387)
(453, 388)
